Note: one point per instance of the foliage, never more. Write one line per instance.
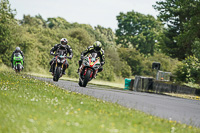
(196, 48)
(138, 31)
(81, 35)
(105, 36)
(168, 64)
(121, 68)
(33, 21)
(141, 65)
(189, 70)
(58, 23)
(7, 22)
(133, 58)
(182, 18)
(36, 36)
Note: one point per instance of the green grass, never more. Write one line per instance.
(29, 105)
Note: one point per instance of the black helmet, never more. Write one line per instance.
(63, 41)
(97, 46)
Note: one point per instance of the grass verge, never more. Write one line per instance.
(29, 105)
(187, 96)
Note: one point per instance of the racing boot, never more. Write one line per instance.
(12, 65)
(95, 76)
(64, 68)
(78, 70)
(63, 73)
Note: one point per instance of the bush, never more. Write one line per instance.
(189, 70)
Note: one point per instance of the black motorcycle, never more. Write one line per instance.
(58, 64)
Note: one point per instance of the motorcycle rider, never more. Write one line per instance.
(67, 49)
(17, 50)
(95, 48)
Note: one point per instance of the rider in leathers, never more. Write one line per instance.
(17, 50)
(95, 48)
(67, 49)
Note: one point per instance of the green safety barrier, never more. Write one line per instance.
(127, 83)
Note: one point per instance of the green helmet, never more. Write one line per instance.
(97, 46)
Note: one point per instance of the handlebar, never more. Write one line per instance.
(64, 56)
(68, 57)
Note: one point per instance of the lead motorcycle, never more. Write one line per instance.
(88, 69)
(58, 64)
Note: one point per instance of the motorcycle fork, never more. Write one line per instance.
(95, 72)
(85, 72)
(55, 67)
(91, 75)
(56, 61)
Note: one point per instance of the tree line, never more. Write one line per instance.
(173, 39)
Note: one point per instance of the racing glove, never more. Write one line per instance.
(82, 57)
(102, 63)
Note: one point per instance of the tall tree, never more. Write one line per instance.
(182, 18)
(138, 30)
(37, 21)
(58, 23)
(6, 22)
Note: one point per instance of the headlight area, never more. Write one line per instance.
(86, 62)
(58, 60)
(62, 61)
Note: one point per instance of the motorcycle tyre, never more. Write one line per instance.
(87, 77)
(18, 68)
(80, 83)
(57, 74)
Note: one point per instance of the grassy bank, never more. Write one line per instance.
(29, 105)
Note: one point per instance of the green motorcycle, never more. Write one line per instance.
(18, 62)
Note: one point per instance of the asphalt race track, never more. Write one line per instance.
(178, 109)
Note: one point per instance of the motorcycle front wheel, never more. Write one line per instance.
(57, 74)
(18, 68)
(80, 83)
(87, 77)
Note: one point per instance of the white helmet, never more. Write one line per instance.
(63, 41)
(17, 49)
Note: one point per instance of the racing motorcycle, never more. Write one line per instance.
(88, 69)
(18, 62)
(58, 64)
